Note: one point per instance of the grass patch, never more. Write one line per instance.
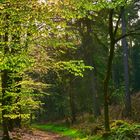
(62, 130)
(120, 130)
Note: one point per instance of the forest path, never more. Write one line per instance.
(38, 135)
(41, 135)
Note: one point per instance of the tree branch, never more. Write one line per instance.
(125, 35)
(111, 34)
(117, 24)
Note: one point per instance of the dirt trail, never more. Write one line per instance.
(40, 135)
(37, 135)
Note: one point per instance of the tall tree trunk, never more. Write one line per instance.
(106, 84)
(126, 73)
(72, 103)
(88, 50)
(96, 108)
(93, 83)
(108, 73)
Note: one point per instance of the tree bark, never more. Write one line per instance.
(108, 73)
(72, 103)
(127, 99)
(88, 51)
(106, 84)
(96, 108)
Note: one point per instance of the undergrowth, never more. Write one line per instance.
(120, 130)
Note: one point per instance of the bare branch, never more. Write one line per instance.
(117, 24)
(111, 23)
(125, 35)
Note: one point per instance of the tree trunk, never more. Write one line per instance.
(88, 50)
(72, 103)
(96, 108)
(106, 84)
(127, 112)
(108, 73)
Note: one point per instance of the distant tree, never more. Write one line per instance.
(126, 67)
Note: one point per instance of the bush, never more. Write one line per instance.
(121, 130)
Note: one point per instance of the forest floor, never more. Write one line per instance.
(40, 135)
(36, 135)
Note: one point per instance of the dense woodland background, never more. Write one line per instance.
(76, 62)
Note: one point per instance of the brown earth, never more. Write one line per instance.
(36, 135)
(39, 135)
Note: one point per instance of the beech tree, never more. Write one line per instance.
(17, 27)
